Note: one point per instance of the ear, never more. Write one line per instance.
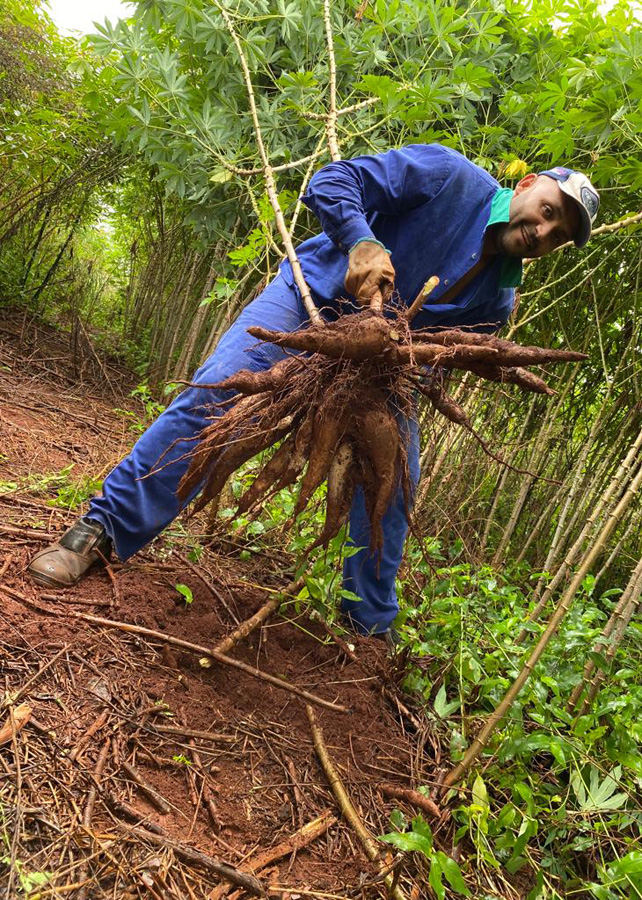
(526, 182)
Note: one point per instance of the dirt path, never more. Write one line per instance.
(108, 708)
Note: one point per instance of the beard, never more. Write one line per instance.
(510, 241)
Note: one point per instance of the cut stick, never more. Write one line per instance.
(412, 797)
(345, 804)
(260, 616)
(179, 731)
(214, 654)
(301, 838)
(196, 857)
(43, 536)
(15, 724)
(415, 308)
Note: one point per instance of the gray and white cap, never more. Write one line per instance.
(578, 187)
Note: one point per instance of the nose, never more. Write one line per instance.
(545, 233)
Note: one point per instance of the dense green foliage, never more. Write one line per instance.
(133, 204)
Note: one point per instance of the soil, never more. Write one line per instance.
(101, 696)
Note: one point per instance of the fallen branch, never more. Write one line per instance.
(43, 536)
(179, 731)
(203, 651)
(345, 804)
(196, 857)
(89, 733)
(259, 617)
(301, 838)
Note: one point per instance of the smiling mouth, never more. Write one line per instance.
(527, 239)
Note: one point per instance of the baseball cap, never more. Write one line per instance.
(577, 186)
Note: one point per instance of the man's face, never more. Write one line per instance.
(541, 218)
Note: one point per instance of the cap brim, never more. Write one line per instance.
(581, 239)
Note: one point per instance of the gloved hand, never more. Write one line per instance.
(370, 276)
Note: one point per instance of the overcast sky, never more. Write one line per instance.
(79, 15)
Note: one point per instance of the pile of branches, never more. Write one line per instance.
(339, 403)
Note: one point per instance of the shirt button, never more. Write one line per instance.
(474, 256)
(446, 280)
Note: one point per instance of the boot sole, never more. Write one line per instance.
(44, 580)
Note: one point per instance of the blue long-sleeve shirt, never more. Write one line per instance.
(429, 206)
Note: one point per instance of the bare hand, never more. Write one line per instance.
(370, 276)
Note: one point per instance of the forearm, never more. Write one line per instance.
(344, 194)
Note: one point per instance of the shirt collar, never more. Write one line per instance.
(510, 274)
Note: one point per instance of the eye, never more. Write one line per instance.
(547, 210)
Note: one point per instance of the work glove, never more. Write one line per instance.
(370, 276)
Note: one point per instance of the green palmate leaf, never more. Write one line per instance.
(221, 175)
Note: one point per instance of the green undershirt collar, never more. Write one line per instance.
(510, 274)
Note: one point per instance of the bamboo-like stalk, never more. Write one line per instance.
(345, 804)
(452, 436)
(634, 522)
(590, 556)
(538, 454)
(622, 612)
(270, 183)
(180, 310)
(501, 481)
(186, 361)
(577, 487)
(545, 516)
(331, 118)
(620, 626)
(598, 510)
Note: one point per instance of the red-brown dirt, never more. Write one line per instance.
(262, 775)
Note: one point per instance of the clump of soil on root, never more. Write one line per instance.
(339, 405)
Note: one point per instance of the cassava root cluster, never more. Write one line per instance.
(338, 405)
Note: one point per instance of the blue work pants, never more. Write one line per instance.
(134, 509)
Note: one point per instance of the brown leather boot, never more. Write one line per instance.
(64, 563)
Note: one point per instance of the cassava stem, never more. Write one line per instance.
(270, 183)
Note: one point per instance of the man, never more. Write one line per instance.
(395, 218)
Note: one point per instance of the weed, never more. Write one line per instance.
(151, 408)
(70, 493)
(186, 592)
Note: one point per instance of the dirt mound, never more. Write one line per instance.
(129, 753)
